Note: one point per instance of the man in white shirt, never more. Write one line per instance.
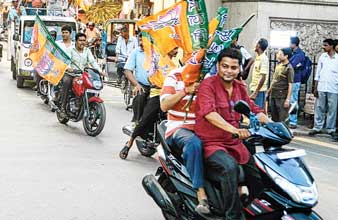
(326, 90)
(66, 44)
(247, 60)
(125, 44)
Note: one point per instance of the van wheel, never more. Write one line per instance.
(19, 82)
(13, 68)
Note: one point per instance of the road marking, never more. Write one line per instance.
(320, 143)
(322, 155)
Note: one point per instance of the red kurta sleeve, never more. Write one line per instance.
(205, 102)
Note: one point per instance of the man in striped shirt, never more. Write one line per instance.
(180, 131)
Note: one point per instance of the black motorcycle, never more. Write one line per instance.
(148, 143)
(290, 192)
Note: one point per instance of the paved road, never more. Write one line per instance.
(51, 171)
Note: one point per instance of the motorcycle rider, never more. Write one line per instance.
(125, 44)
(216, 122)
(81, 57)
(93, 36)
(139, 79)
(180, 131)
(150, 111)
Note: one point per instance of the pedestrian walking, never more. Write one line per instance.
(297, 61)
(281, 86)
(326, 91)
(258, 85)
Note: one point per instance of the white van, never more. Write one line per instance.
(21, 63)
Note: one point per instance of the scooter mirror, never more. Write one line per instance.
(243, 108)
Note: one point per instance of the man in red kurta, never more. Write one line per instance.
(216, 122)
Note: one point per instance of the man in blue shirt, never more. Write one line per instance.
(297, 60)
(138, 77)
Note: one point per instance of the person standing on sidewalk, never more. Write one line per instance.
(297, 60)
(281, 86)
(258, 85)
(326, 90)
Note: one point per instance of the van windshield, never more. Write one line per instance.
(57, 25)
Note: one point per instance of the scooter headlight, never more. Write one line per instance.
(97, 84)
(300, 194)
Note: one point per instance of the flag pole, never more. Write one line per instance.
(248, 20)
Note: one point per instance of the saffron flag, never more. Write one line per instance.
(185, 24)
(159, 66)
(49, 60)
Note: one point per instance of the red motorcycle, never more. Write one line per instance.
(84, 103)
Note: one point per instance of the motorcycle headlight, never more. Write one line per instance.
(28, 62)
(300, 194)
(97, 84)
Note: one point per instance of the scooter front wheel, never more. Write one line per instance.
(94, 122)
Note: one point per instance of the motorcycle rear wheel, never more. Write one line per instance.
(94, 123)
(145, 149)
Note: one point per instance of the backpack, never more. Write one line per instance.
(306, 71)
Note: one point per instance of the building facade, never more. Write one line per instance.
(311, 20)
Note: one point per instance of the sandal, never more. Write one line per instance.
(203, 207)
(124, 152)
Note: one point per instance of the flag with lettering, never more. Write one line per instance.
(157, 64)
(185, 24)
(49, 60)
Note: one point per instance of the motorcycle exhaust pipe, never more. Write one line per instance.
(128, 130)
(155, 190)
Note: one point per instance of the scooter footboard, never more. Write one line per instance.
(311, 215)
(155, 190)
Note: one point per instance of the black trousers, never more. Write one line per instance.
(139, 103)
(149, 117)
(223, 169)
(66, 86)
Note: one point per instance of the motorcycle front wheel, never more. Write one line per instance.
(94, 122)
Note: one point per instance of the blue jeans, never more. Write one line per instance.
(260, 99)
(185, 142)
(294, 98)
(326, 105)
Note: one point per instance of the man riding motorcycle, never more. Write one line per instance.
(216, 122)
(124, 46)
(151, 109)
(81, 57)
(180, 131)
